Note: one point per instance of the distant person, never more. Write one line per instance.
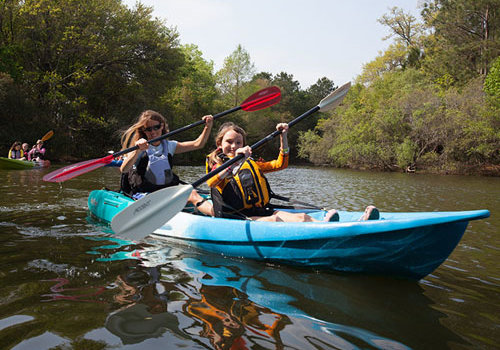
(15, 151)
(149, 168)
(26, 150)
(37, 153)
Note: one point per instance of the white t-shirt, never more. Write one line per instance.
(159, 171)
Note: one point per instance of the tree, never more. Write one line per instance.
(466, 37)
(237, 70)
(492, 82)
(84, 68)
(404, 27)
(194, 96)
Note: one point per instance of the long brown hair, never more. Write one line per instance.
(136, 131)
(214, 158)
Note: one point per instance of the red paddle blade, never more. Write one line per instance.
(262, 99)
(74, 170)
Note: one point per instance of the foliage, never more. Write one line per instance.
(84, 68)
(466, 37)
(87, 68)
(237, 70)
(193, 96)
(492, 83)
(401, 121)
(420, 104)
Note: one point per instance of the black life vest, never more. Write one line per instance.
(246, 194)
(38, 154)
(135, 181)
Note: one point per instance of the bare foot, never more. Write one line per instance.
(371, 213)
(331, 215)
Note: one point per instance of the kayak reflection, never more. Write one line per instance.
(371, 310)
(156, 298)
(230, 304)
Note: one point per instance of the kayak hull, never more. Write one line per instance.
(16, 164)
(408, 245)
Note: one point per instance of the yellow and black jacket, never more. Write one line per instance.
(248, 193)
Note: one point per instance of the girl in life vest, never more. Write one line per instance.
(37, 153)
(149, 168)
(15, 151)
(26, 149)
(242, 190)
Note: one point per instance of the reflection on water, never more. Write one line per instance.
(68, 283)
(226, 302)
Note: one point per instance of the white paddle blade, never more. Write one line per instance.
(150, 212)
(335, 98)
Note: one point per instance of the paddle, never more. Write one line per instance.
(293, 201)
(261, 99)
(47, 136)
(150, 212)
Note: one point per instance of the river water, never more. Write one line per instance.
(67, 283)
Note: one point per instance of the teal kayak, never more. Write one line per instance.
(16, 164)
(406, 245)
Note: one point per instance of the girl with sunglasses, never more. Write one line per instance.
(149, 168)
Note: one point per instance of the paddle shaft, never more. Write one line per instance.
(254, 146)
(293, 201)
(174, 132)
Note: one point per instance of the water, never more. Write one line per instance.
(66, 283)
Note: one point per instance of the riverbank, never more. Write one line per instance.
(462, 169)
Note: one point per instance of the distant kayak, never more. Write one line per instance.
(16, 164)
(407, 245)
(115, 163)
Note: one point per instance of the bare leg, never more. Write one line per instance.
(205, 207)
(284, 216)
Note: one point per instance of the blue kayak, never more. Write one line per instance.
(407, 245)
(115, 163)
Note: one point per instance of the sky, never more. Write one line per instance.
(309, 39)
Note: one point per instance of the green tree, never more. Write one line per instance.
(492, 83)
(466, 37)
(237, 70)
(194, 96)
(85, 68)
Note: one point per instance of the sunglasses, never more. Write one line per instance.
(154, 127)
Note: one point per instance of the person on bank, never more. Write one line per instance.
(37, 153)
(149, 168)
(242, 190)
(15, 151)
